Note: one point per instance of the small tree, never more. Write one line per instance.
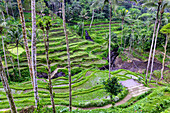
(112, 86)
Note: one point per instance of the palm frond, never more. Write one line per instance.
(150, 4)
(97, 3)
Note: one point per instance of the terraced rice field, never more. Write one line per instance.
(87, 89)
(99, 31)
(86, 58)
(86, 85)
(81, 52)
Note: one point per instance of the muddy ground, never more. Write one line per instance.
(136, 65)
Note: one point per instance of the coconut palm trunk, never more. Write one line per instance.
(68, 54)
(10, 58)
(33, 49)
(110, 38)
(18, 60)
(3, 15)
(12, 9)
(25, 39)
(49, 70)
(6, 64)
(82, 29)
(163, 63)
(6, 7)
(150, 54)
(122, 32)
(92, 19)
(7, 88)
(155, 46)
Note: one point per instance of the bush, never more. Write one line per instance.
(113, 103)
(157, 73)
(112, 86)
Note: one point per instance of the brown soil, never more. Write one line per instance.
(136, 65)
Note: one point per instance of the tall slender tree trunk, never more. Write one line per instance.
(49, 71)
(155, 46)
(10, 58)
(92, 19)
(6, 64)
(7, 88)
(6, 7)
(124, 42)
(82, 29)
(163, 63)
(130, 47)
(4, 48)
(33, 49)
(122, 32)
(12, 9)
(68, 54)
(110, 38)
(150, 54)
(25, 39)
(18, 60)
(3, 15)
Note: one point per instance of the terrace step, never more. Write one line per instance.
(138, 89)
(134, 95)
(131, 88)
(135, 88)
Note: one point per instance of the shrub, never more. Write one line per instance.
(112, 86)
(157, 73)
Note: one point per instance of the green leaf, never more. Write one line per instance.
(150, 4)
(165, 29)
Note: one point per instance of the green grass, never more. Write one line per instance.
(156, 102)
(82, 85)
(14, 50)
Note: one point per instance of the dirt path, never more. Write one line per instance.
(55, 71)
(90, 108)
(109, 105)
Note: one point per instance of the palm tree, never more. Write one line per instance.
(153, 36)
(110, 38)
(164, 4)
(16, 34)
(68, 54)
(113, 3)
(160, 4)
(33, 49)
(47, 26)
(4, 25)
(25, 39)
(6, 7)
(155, 46)
(6, 64)
(7, 88)
(165, 30)
(91, 19)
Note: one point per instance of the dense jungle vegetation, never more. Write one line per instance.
(85, 56)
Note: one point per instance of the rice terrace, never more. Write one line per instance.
(85, 56)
